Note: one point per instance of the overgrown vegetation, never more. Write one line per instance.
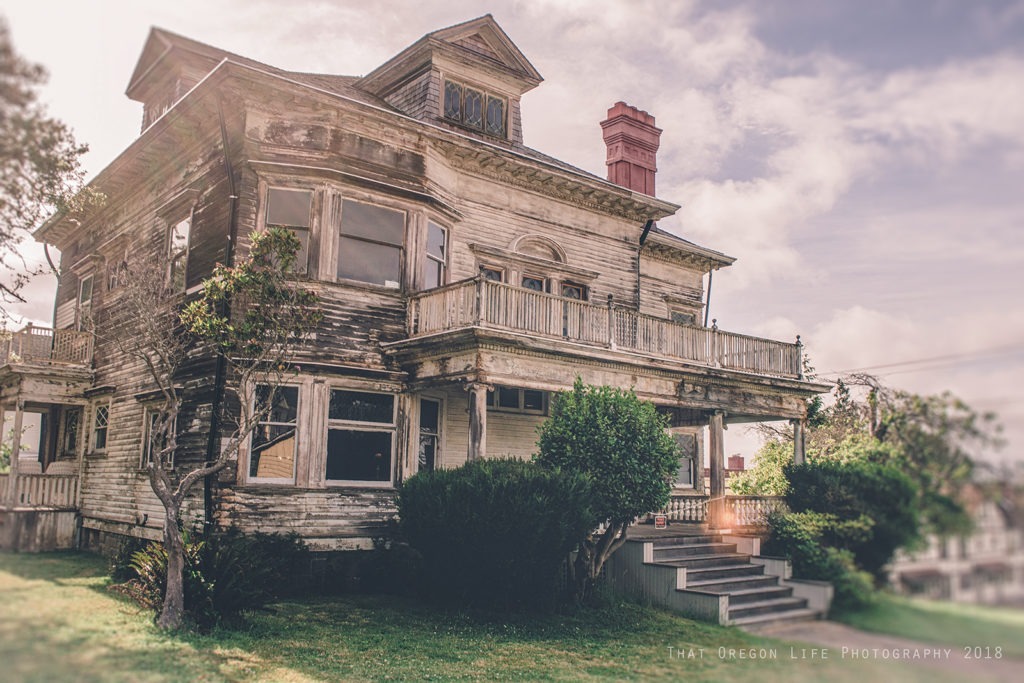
(226, 574)
(495, 532)
(621, 444)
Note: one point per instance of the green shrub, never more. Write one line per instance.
(120, 557)
(495, 533)
(805, 538)
(858, 492)
(226, 574)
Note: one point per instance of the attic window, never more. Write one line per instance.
(474, 108)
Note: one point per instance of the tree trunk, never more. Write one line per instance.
(173, 612)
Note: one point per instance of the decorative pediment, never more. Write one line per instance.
(483, 37)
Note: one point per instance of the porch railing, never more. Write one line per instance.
(40, 490)
(741, 511)
(485, 303)
(33, 343)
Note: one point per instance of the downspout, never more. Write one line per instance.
(707, 302)
(643, 238)
(218, 376)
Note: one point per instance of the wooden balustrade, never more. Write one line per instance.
(40, 490)
(485, 303)
(44, 344)
(687, 509)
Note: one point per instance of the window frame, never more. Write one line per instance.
(360, 426)
(408, 215)
(79, 414)
(486, 97)
(300, 269)
(173, 257)
(430, 260)
(438, 435)
(521, 409)
(150, 412)
(299, 405)
(95, 428)
(83, 307)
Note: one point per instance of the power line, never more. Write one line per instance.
(1010, 349)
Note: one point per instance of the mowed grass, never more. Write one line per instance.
(60, 622)
(944, 622)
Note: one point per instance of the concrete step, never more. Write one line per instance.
(698, 561)
(773, 606)
(678, 552)
(747, 595)
(733, 584)
(758, 620)
(726, 572)
(672, 541)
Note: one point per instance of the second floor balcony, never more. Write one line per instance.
(33, 344)
(496, 305)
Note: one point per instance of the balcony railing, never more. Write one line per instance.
(44, 344)
(740, 511)
(40, 490)
(485, 303)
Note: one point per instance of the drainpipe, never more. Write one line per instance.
(707, 302)
(643, 238)
(219, 371)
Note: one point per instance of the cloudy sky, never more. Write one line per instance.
(863, 160)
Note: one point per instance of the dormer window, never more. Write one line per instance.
(474, 108)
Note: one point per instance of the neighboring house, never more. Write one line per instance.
(986, 566)
(464, 278)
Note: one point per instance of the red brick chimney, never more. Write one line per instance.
(736, 463)
(632, 141)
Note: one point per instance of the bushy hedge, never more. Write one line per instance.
(858, 490)
(226, 573)
(495, 533)
(808, 539)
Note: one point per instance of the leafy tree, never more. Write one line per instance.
(622, 444)
(765, 478)
(252, 317)
(39, 166)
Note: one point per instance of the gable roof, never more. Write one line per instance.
(483, 36)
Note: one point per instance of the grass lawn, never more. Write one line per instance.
(59, 622)
(944, 622)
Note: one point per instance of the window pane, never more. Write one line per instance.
(302, 255)
(288, 207)
(453, 101)
(372, 222)
(534, 283)
(361, 406)
(495, 116)
(687, 454)
(433, 274)
(571, 291)
(353, 455)
(85, 290)
(427, 453)
(493, 274)
(71, 422)
(429, 415)
(179, 236)
(435, 240)
(273, 452)
(375, 263)
(508, 398)
(178, 273)
(284, 404)
(533, 400)
(473, 113)
(682, 318)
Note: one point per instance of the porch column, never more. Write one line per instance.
(12, 480)
(799, 443)
(477, 421)
(716, 501)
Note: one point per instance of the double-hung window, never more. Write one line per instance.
(100, 427)
(274, 442)
(177, 253)
(84, 310)
(292, 210)
(370, 247)
(434, 263)
(154, 436)
(72, 424)
(360, 437)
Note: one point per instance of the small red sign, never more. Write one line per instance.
(660, 521)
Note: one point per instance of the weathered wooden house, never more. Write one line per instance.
(464, 278)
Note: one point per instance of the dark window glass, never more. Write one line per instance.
(453, 101)
(473, 108)
(490, 398)
(571, 291)
(372, 222)
(360, 406)
(495, 116)
(72, 419)
(430, 413)
(508, 397)
(100, 424)
(291, 209)
(537, 284)
(371, 244)
(682, 318)
(434, 263)
(533, 400)
(494, 274)
(354, 455)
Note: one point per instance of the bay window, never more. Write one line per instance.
(273, 447)
(360, 437)
(370, 246)
(292, 210)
